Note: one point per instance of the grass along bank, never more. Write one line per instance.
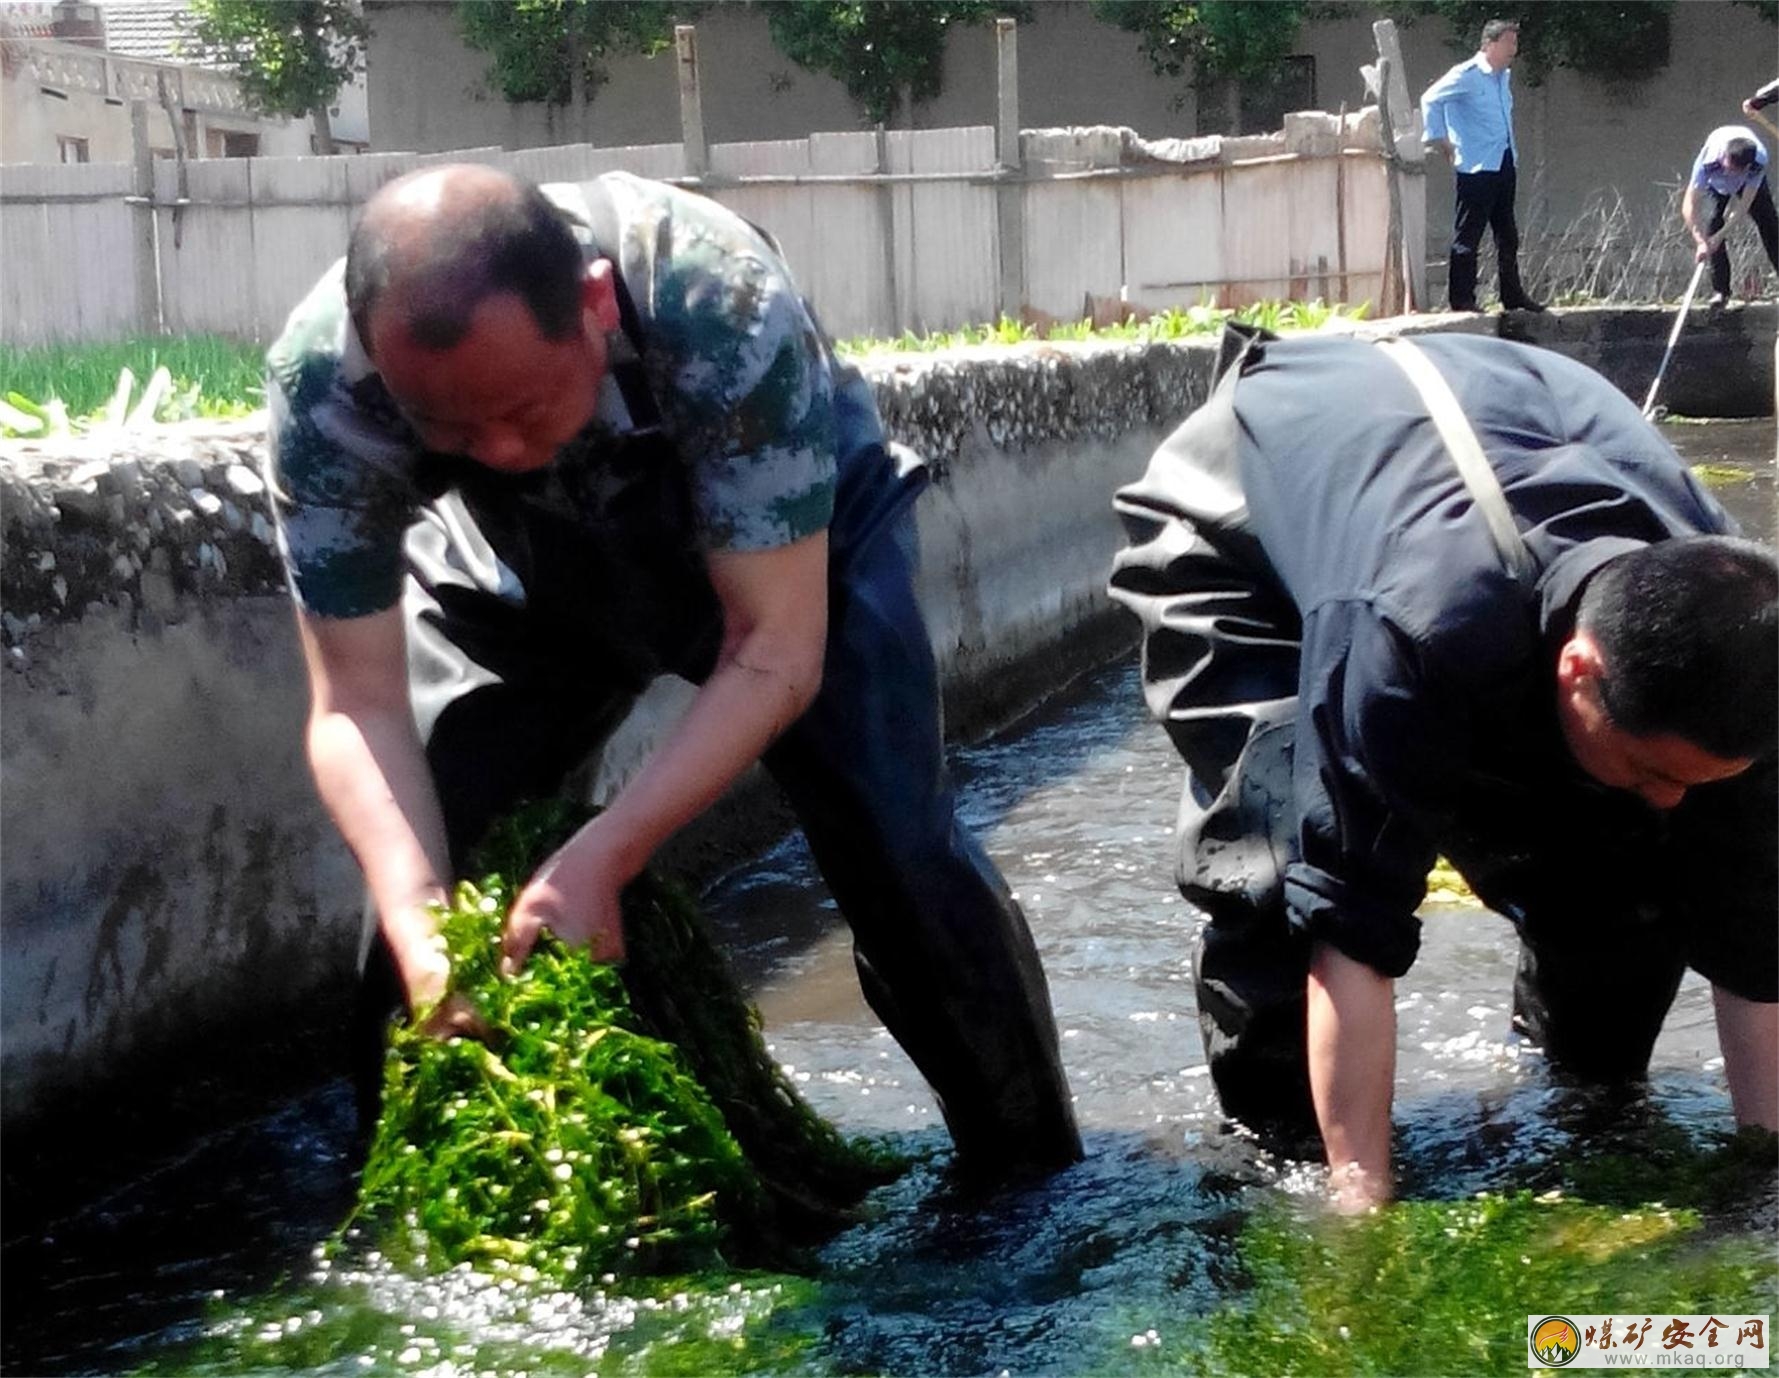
(54, 388)
(51, 388)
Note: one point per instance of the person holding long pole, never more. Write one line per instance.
(1767, 95)
(1730, 167)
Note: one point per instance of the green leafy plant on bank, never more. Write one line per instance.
(56, 389)
(614, 1120)
(1175, 323)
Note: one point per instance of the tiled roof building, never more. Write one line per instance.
(152, 29)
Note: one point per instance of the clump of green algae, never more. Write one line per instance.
(615, 1120)
(1445, 1286)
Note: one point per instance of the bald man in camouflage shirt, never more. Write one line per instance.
(534, 447)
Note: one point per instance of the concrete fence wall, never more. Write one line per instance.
(911, 230)
(169, 874)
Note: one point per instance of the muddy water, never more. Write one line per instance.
(207, 1264)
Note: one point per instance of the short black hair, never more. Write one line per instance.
(1496, 27)
(520, 243)
(1738, 152)
(1688, 630)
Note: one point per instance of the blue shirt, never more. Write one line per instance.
(1472, 105)
(1708, 167)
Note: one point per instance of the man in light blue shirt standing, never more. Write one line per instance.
(1731, 167)
(1468, 113)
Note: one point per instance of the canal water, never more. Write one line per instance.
(1177, 1246)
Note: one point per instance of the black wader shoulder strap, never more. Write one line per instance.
(1466, 453)
(626, 365)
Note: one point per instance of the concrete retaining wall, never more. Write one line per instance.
(168, 873)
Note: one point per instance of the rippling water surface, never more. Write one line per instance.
(1177, 1245)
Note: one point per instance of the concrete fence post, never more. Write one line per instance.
(691, 106)
(148, 276)
(1009, 160)
(886, 205)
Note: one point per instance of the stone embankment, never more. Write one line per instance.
(140, 521)
(170, 879)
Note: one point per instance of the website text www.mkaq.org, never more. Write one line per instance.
(1675, 1360)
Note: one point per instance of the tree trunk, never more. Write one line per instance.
(324, 129)
(577, 89)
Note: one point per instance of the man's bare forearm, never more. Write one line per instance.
(751, 697)
(1748, 1035)
(1351, 1037)
(775, 622)
(371, 773)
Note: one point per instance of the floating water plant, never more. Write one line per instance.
(1721, 475)
(615, 1119)
(1444, 1286)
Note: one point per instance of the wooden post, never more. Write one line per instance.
(1391, 289)
(1340, 200)
(691, 106)
(148, 277)
(1009, 161)
(1408, 165)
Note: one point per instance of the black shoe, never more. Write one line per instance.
(1465, 309)
(1528, 305)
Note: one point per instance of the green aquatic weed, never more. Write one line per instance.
(757, 1323)
(1720, 475)
(615, 1119)
(1445, 1286)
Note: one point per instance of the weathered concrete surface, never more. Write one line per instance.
(168, 873)
(1722, 364)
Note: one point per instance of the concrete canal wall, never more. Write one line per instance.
(169, 880)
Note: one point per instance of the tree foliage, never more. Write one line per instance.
(1212, 38)
(535, 44)
(291, 57)
(1610, 39)
(878, 49)
(1622, 39)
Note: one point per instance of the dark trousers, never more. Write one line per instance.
(1599, 960)
(535, 618)
(1760, 210)
(1485, 201)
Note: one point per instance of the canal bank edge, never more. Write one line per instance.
(171, 888)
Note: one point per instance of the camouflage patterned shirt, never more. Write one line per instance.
(749, 392)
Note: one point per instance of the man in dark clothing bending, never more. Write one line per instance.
(1490, 614)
